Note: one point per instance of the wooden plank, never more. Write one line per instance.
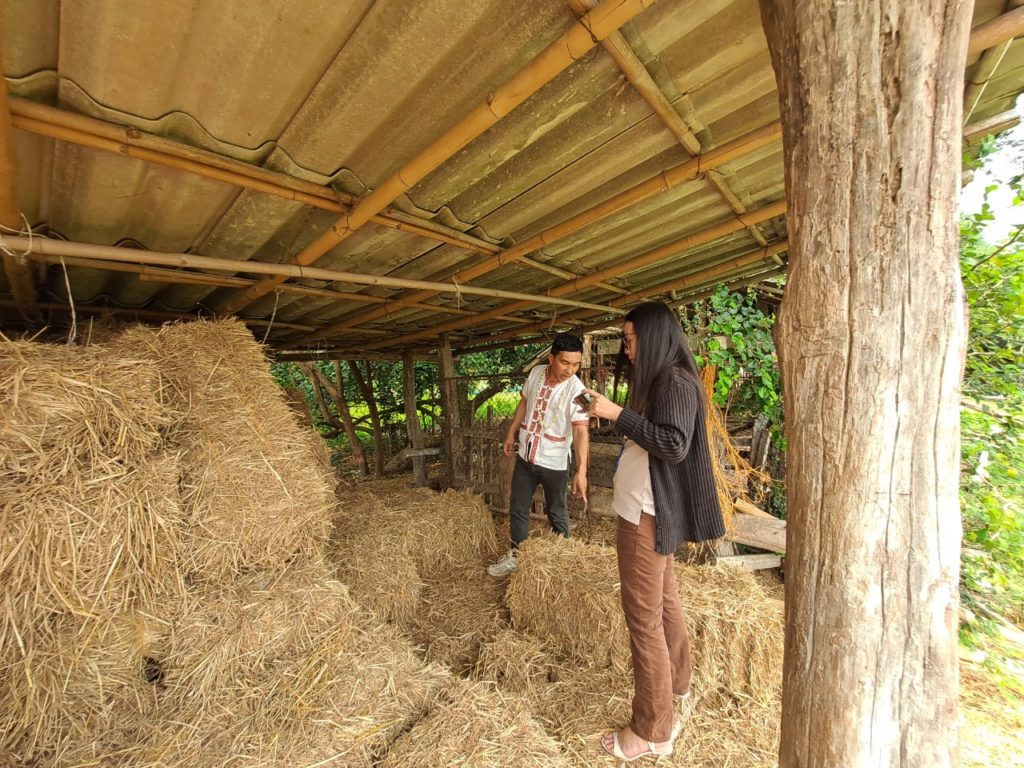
(760, 532)
(751, 562)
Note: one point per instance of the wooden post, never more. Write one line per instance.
(366, 388)
(872, 339)
(451, 411)
(16, 269)
(412, 419)
(337, 394)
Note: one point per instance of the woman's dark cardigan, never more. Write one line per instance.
(672, 431)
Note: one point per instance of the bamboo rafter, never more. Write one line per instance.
(694, 281)
(622, 267)
(579, 39)
(284, 271)
(672, 177)
(636, 73)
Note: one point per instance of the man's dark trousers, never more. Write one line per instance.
(525, 478)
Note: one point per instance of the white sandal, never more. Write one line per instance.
(616, 750)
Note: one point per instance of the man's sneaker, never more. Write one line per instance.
(505, 565)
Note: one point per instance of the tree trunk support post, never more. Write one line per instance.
(872, 339)
(450, 409)
(412, 419)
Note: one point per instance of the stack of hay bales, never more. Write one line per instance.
(165, 597)
(568, 653)
(418, 559)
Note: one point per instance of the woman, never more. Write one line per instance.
(664, 494)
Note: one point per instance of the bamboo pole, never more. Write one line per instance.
(542, 331)
(579, 39)
(636, 73)
(666, 180)
(131, 255)
(697, 279)
(16, 269)
(991, 33)
(983, 72)
(628, 265)
(55, 123)
(149, 314)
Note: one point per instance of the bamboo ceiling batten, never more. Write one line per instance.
(666, 180)
(694, 280)
(628, 265)
(284, 271)
(179, 277)
(580, 38)
(55, 123)
(636, 73)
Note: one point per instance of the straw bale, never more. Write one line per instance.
(388, 540)
(475, 725)
(460, 609)
(62, 408)
(515, 661)
(317, 445)
(254, 494)
(78, 677)
(566, 592)
(279, 672)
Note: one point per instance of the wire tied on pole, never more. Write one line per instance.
(273, 314)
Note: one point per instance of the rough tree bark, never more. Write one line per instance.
(872, 345)
(318, 380)
(366, 387)
(451, 410)
(412, 419)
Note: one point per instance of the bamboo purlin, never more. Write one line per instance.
(284, 271)
(580, 38)
(673, 177)
(690, 241)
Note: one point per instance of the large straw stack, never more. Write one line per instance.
(146, 627)
(255, 499)
(90, 523)
(564, 598)
(418, 559)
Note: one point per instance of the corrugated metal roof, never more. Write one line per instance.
(344, 93)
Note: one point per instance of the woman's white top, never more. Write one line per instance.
(631, 487)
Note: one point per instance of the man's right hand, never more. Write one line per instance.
(509, 445)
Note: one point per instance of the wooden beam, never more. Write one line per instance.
(16, 269)
(661, 182)
(55, 123)
(991, 33)
(284, 271)
(750, 562)
(994, 125)
(579, 39)
(412, 419)
(760, 532)
(619, 268)
(451, 412)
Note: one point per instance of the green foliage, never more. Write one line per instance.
(735, 336)
(992, 499)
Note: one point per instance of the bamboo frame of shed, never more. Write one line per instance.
(579, 39)
(637, 262)
(284, 271)
(662, 182)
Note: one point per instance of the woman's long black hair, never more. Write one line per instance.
(660, 347)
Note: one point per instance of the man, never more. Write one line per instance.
(554, 422)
